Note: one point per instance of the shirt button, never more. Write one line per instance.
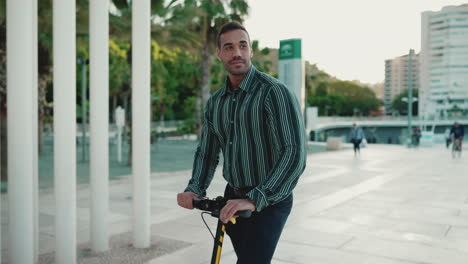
(234, 99)
(230, 143)
(232, 121)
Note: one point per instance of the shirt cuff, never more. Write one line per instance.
(195, 189)
(259, 199)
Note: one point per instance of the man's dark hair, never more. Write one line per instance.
(233, 25)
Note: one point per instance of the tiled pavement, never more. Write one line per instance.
(390, 205)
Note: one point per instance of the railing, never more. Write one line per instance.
(158, 126)
(387, 118)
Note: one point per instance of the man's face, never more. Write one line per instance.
(235, 52)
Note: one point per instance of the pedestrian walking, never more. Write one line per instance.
(416, 136)
(448, 138)
(356, 135)
(457, 133)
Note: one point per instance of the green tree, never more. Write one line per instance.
(260, 58)
(322, 89)
(174, 78)
(208, 16)
(331, 104)
(343, 98)
(3, 123)
(358, 98)
(315, 79)
(119, 73)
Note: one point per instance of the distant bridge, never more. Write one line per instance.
(391, 130)
(325, 123)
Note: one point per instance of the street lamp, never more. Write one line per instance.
(405, 99)
(327, 107)
(356, 111)
(410, 91)
(410, 112)
(83, 62)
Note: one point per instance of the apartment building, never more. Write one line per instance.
(444, 61)
(396, 78)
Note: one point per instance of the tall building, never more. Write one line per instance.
(396, 78)
(378, 89)
(444, 61)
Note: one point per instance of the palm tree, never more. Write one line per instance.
(205, 17)
(214, 14)
(3, 123)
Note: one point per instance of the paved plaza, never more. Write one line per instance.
(389, 205)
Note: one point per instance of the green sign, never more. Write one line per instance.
(290, 49)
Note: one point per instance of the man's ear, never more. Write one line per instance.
(218, 51)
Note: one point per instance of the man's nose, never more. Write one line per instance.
(236, 52)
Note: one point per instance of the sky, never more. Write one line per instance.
(349, 39)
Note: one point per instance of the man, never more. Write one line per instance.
(416, 136)
(457, 132)
(256, 122)
(448, 138)
(355, 136)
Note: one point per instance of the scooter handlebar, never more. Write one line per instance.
(243, 214)
(215, 205)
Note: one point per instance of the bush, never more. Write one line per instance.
(188, 127)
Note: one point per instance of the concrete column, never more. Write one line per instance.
(20, 129)
(141, 122)
(65, 130)
(99, 122)
(35, 70)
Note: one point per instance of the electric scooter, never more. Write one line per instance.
(213, 208)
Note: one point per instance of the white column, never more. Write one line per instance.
(0, 209)
(35, 70)
(141, 122)
(99, 122)
(20, 129)
(65, 130)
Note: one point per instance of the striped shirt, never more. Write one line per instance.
(260, 131)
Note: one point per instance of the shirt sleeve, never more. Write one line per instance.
(206, 158)
(286, 122)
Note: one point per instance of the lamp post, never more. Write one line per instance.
(410, 90)
(154, 99)
(410, 113)
(356, 111)
(83, 62)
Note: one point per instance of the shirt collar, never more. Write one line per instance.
(245, 85)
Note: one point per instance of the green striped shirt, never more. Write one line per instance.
(260, 131)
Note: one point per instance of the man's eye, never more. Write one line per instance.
(228, 48)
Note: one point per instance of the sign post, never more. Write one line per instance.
(291, 68)
(120, 122)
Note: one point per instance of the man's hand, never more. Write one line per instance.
(185, 199)
(232, 206)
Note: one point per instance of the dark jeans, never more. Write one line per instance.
(255, 238)
(356, 143)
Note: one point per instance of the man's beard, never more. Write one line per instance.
(238, 72)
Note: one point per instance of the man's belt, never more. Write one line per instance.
(240, 192)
